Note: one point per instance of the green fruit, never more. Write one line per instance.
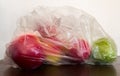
(104, 50)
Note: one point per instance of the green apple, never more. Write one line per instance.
(104, 50)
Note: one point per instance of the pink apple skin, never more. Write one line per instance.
(80, 51)
(26, 52)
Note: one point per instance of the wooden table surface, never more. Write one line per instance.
(66, 70)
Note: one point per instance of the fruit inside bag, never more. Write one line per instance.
(59, 36)
(104, 50)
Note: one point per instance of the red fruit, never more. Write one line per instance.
(26, 52)
(80, 50)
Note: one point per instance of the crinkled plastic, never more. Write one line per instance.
(60, 36)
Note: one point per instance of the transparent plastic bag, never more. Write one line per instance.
(104, 50)
(59, 36)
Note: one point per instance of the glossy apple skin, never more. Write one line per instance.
(26, 52)
(80, 51)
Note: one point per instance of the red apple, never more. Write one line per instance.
(26, 52)
(80, 50)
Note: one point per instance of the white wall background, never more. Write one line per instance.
(107, 12)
